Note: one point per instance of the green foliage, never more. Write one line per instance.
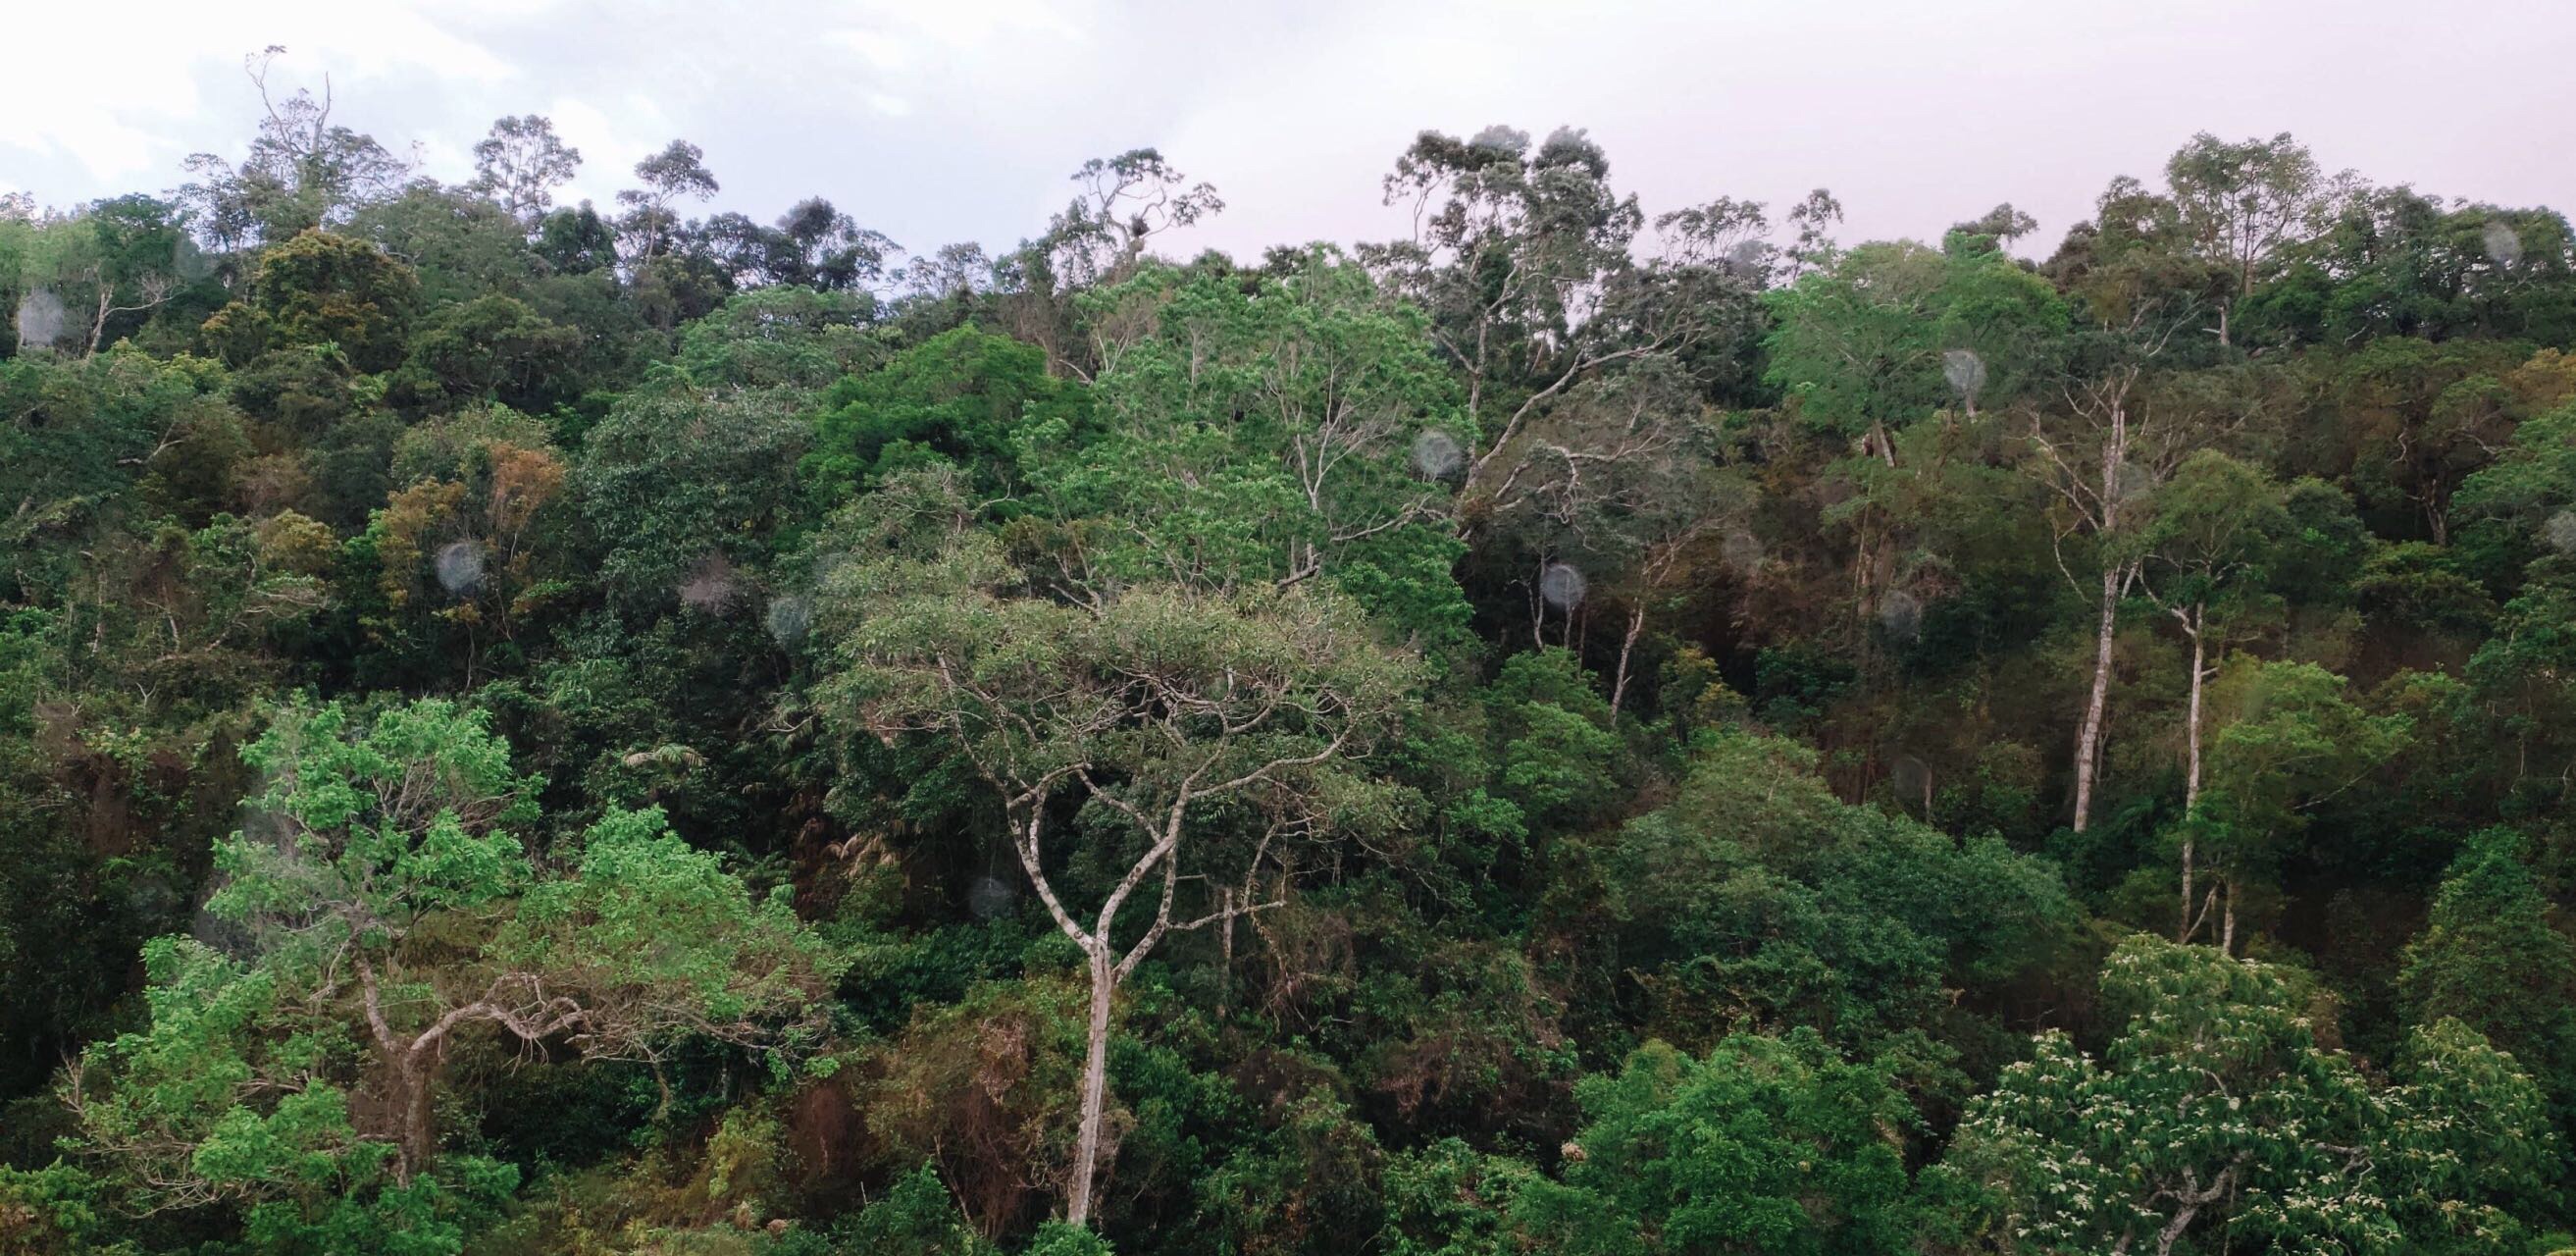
(691, 493)
(916, 1218)
(387, 853)
(779, 337)
(527, 729)
(323, 292)
(492, 348)
(964, 397)
(2215, 1108)
(1757, 901)
(1561, 761)
(2491, 958)
(1771, 1144)
(1259, 427)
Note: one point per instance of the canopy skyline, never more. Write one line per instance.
(962, 121)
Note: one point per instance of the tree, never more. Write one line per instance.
(577, 241)
(781, 337)
(1098, 240)
(2290, 740)
(2215, 1110)
(2491, 958)
(492, 348)
(1997, 227)
(369, 836)
(1756, 901)
(2093, 465)
(1520, 259)
(1856, 342)
(688, 489)
(1123, 202)
(301, 173)
(321, 290)
(1617, 481)
(949, 271)
(121, 257)
(460, 551)
(678, 171)
(1145, 724)
(521, 163)
(2215, 522)
(2519, 498)
(1267, 429)
(2241, 203)
(812, 246)
(964, 396)
(461, 245)
(1768, 1144)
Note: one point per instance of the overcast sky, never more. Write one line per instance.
(949, 120)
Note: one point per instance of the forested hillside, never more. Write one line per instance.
(1590, 728)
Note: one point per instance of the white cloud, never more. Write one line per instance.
(609, 147)
(120, 101)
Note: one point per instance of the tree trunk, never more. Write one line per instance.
(1095, 1086)
(2088, 741)
(2173, 1231)
(419, 1117)
(2191, 772)
(1225, 960)
(1538, 606)
(98, 325)
(1627, 644)
(2191, 723)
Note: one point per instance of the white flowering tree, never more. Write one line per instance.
(2216, 1109)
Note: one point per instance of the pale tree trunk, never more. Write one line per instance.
(2191, 723)
(98, 325)
(1108, 969)
(1538, 606)
(2088, 739)
(2191, 1199)
(1627, 645)
(1095, 1085)
(2184, 925)
(2115, 583)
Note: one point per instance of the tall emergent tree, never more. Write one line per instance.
(2241, 203)
(521, 163)
(2089, 458)
(2203, 551)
